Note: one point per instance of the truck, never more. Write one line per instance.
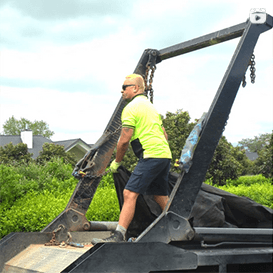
(166, 241)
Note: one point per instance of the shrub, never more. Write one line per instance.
(51, 150)
(13, 185)
(105, 206)
(37, 207)
(32, 212)
(258, 188)
(14, 154)
(15, 182)
(260, 193)
(248, 180)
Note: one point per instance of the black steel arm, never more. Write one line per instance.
(209, 39)
(203, 41)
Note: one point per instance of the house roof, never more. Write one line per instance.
(252, 156)
(4, 140)
(38, 142)
(69, 144)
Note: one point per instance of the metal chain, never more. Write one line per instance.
(252, 69)
(54, 241)
(151, 78)
(149, 88)
(146, 77)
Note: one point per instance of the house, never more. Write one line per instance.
(35, 143)
(252, 156)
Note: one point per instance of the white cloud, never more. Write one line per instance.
(58, 56)
(74, 114)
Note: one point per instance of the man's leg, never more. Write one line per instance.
(161, 200)
(128, 209)
(126, 216)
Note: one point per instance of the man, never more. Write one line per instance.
(142, 126)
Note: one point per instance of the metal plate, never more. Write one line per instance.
(40, 258)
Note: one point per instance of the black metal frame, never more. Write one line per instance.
(169, 243)
(184, 195)
(173, 224)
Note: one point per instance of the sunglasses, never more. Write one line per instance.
(124, 86)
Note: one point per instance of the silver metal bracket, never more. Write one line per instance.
(257, 16)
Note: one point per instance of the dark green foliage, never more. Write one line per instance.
(14, 154)
(263, 164)
(14, 127)
(227, 163)
(248, 180)
(255, 144)
(32, 196)
(51, 150)
(33, 211)
(104, 206)
(16, 181)
(240, 156)
(178, 129)
(258, 188)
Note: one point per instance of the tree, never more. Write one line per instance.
(241, 157)
(14, 127)
(263, 164)
(14, 154)
(51, 150)
(255, 144)
(178, 128)
(227, 163)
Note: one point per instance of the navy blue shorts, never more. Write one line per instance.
(150, 176)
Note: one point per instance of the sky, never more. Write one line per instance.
(64, 61)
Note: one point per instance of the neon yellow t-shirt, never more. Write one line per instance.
(148, 137)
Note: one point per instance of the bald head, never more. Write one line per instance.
(132, 86)
(137, 80)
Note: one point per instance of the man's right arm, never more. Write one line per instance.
(123, 143)
(165, 133)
